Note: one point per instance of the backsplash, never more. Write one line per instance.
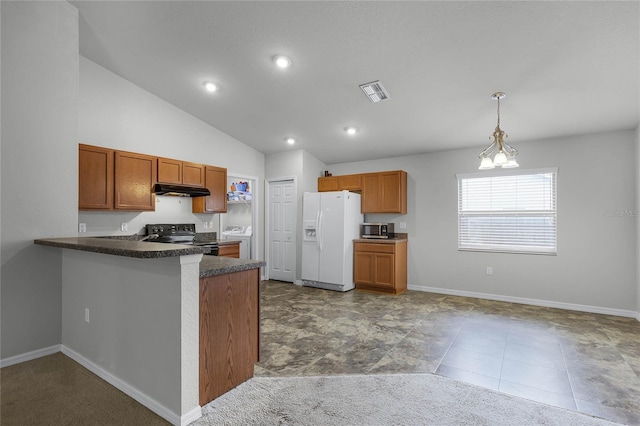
(169, 209)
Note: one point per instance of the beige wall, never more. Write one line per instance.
(39, 167)
(596, 261)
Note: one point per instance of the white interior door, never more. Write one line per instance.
(282, 230)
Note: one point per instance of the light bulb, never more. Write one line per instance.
(486, 164)
(210, 86)
(500, 159)
(351, 130)
(282, 61)
(511, 163)
(291, 141)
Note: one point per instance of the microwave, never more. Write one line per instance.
(376, 230)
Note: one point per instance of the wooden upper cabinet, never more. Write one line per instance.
(339, 183)
(384, 192)
(350, 182)
(215, 179)
(135, 175)
(95, 178)
(328, 183)
(169, 171)
(193, 174)
(180, 172)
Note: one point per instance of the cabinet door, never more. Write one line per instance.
(135, 175)
(329, 183)
(216, 181)
(169, 171)
(384, 192)
(192, 174)
(95, 178)
(370, 193)
(363, 268)
(229, 250)
(393, 192)
(350, 182)
(384, 270)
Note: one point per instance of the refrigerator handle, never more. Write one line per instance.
(319, 237)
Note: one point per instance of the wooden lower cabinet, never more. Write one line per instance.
(229, 250)
(380, 266)
(229, 331)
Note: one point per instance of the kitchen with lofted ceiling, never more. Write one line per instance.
(127, 125)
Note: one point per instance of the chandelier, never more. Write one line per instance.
(505, 154)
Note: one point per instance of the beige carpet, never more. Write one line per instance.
(402, 399)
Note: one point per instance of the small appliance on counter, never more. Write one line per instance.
(377, 230)
(180, 233)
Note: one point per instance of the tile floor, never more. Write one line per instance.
(579, 361)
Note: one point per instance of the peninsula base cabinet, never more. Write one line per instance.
(381, 266)
(229, 331)
(229, 250)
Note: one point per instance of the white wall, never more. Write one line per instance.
(306, 169)
(142, 333)
(115, 113)
(39, 167)
(638, 224)
(596, 261)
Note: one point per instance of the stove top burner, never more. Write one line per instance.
(181, 233)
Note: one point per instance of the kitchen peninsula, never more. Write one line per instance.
(159, 321)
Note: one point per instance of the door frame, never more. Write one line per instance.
(267, 224)
(255, 223)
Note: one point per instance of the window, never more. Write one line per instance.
(512, 212)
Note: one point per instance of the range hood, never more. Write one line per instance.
(180, 190)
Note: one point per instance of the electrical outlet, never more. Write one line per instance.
(403, 225)
(124, 226)
(211, 224)
(489, 270)
(86, 315)
(82, 227)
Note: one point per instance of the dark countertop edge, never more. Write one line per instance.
(228, 242)
(125, 248)
(380, 240)
(211, 266)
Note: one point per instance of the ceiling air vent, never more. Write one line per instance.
(374, 91)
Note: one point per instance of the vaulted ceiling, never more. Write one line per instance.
(567, 68)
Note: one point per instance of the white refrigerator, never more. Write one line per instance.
(331, 221)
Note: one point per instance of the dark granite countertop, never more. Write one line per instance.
(381, 240)
(228, 242)
(119, 247)
(209, 265)
(213, 265)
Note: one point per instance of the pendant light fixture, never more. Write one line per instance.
(505, 154)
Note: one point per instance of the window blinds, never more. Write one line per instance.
(513, 212)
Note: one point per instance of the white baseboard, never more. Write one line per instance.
(134, 393)
(28, 356)
(527, 301)
(298, 282)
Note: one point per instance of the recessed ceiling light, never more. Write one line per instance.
(210, 86)
(282, 61)
(290, 141)
(351, 130)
